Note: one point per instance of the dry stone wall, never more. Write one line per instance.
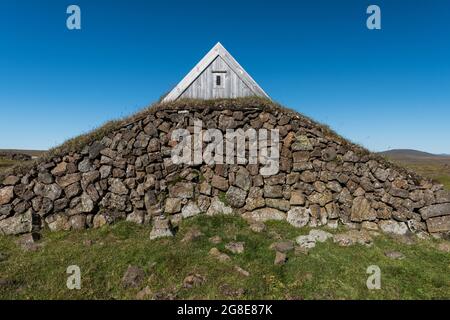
(128, 174)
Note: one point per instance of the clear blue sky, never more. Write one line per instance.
(383, 89)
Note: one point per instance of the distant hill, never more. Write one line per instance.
(31, 153)
(410, 154)
(434, 166)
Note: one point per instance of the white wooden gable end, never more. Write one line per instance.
(217, 75)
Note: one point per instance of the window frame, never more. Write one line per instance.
(219, 75)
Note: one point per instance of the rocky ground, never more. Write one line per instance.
(224, 257)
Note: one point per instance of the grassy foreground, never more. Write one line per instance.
(328, 272)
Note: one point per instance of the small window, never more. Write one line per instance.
(219, 79)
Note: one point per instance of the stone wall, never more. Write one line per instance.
(128, 174)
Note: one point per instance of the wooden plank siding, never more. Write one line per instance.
(203, 87)
(200, 82)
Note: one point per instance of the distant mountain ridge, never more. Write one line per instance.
(412, 154)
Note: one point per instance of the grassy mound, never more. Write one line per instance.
(76, 144)
(328, 272)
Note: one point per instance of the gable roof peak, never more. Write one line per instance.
(217, 50)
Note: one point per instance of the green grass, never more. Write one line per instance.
(6, 164)
(328, 272)
(445, 180)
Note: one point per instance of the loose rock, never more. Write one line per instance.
(133, 277)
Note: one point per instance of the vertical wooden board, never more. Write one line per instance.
(203, 87)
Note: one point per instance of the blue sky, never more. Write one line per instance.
(385, 89)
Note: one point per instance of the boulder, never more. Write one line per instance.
(218, 207)
(297, 198)
(220, 183)
(11, 180)
(5, 210)
(107, 217)
(353, 237)
(308, 176)
(105, 171)
(73, 190)
(265, 214)
(89, 178)
(28, 242)
(283, 246)
(18, 224)
(371, 226)
(161, 228)
(438, 224)
(435, 210)
(133, 277)
(329, 154)
(321, 198)
(393, 227)
(394, 255)
(85, 166)
(442, 196)
(306, 242)
(58, 222)
(183, 190)
(137, 216)
(279, 204)
(275, 191)
(68, 179)
(242, 179)
(60, 169)
(118, 187)
(45, 177)
(235, 247)
(172, 205)
(362, 210)
(236, 197)
(205, 188)
(85, 205)
(94, 150)
(191, 209)
(302, 143)
(298, 216)
(6, 195)
(78, 222)
(381, 174)
(320, 235)
(253, 203)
